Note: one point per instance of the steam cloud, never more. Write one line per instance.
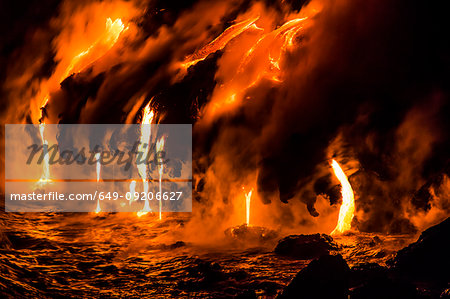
(366, 83)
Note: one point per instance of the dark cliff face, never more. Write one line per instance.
(326, 277)
(366, 83)
(427, 259)
(305, 247)
(367, 67)
(420, 270)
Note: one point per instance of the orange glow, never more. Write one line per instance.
(147, 118)
(74, 64)
(105, 42)
(220, 42)
(78, 63)
(141, 213)
(348, 201)
(98, 166)
(248, 197)
(44, 104)
(252, 63)
(270, 43)
(45, 178)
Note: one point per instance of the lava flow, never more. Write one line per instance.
(80, 61)
(220, 42)
(348, 202)
(45, 178)
(96, 50)
(143, 148)
(105, 42)
(294, 110)
(262, 60)
(248, 197)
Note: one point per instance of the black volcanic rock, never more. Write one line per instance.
(250, 234)
(4, 241)
(326, 277)
(20, 241)
(420, 270)
(202, 275)
(305, 247)
(172, 246)
(370, 280)
(427, 259)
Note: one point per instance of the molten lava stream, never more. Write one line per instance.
(248, 197)
(348, 202)
(99, 48)
(220, 42)
(143, 148)
(45, 178)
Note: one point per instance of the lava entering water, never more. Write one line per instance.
(104, 43)
(143, 148)
(248, 197)
(348, 201)
(45, 178)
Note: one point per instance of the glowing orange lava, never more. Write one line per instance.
(348, 201)
(77, 64)
(147, 118)
(220, 42)
(98, 166)
(45, 178)
(262, 60)
(248, 197)
(97, 49)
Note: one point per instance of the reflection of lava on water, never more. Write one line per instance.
(275, 92)
(117, 255)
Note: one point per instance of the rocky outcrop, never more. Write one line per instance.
(370, 280)
(326, 277)
(305, 247)
(250, 235)
(420, 270)
(427, 259)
